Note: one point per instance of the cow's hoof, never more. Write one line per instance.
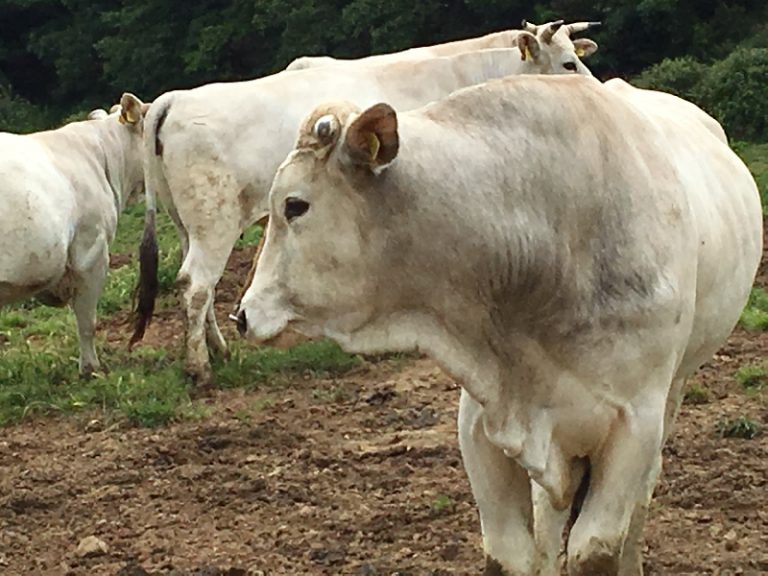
(202, 378)
(597, 564)
(88, 372)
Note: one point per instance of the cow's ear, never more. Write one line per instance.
(372, 138)
(529, 46)
(132, 110)
(584, 47)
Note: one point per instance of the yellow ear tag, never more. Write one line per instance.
(579, 52)
(527, 54)
(127, 118)
(374, 145)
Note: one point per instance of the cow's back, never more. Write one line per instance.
(240, 132)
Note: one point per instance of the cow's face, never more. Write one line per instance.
(318, 271)
(549, 48)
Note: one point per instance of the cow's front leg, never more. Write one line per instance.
(502, 491)
(90, 283)
(623, 474)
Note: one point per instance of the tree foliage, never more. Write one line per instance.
(64, 56)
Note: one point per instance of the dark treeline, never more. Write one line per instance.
(60, 57)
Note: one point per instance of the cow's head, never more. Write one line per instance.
(125, 122)
(550, 49)
(320, 269)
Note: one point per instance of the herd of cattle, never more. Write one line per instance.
(570, 251)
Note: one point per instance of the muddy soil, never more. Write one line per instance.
(359, 475)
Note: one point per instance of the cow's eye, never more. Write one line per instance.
(295, 208)
(570, 66)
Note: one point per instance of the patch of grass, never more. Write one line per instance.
(262, 404)
(251, 366)
(443, 503)
(696, 394)
(333, 395)
(741, 427)
(755, 314)
(245, 415)
(147, 389)
(250, 237)
(756, 157)
(195, 411)
(753, 377)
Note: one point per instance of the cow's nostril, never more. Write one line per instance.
(242, 323)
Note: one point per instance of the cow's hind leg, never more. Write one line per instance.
(502, 491)
(623, 474)
(199, 274)
(214, 336)
(90, 283)
(632, 557)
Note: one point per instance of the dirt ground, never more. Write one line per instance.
(359, 475)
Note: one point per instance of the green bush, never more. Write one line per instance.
(19, 115)
(679, 76)
(735, 91)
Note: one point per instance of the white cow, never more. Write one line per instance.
(61, 193)
(565, 253)
(667, 107)
(213, 151)
(549, 48)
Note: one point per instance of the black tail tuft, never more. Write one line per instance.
(147, 287)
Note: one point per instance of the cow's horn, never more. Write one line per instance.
(325, 128)
(550, 30)
(528, 27)
(581, 27)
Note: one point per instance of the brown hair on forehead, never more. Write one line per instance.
(341, 110)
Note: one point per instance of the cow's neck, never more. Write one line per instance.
(113, 161)
(99, 147)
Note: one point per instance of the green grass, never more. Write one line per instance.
(755, 315)
(741, 427)
(753, 377)
(443, 503)
(696, 394)
(250, 237)
(39, 351)
(756, 157)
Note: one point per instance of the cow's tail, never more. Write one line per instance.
(147, 286)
